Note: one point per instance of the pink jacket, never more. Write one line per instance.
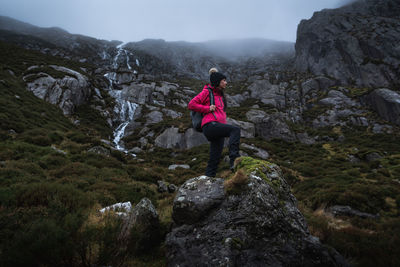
(201, 103)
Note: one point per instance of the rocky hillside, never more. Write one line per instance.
(108, 123)
(356, 44)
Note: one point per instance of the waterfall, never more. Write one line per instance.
(124, 110)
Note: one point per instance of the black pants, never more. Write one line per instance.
(216, 133)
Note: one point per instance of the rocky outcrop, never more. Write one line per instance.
(387, 103)
(355, 44)
(193, 138)
(269, 94)
(270, 126)
(153, 117)
(144, 218)
(171, 138)
(247, 128)
(256, 224)
(69, 90)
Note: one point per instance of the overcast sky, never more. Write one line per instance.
(172, 20)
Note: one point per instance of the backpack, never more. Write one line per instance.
(197, 117)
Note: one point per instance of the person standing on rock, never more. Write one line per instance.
(214, 121)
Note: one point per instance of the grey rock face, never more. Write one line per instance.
(154, 117)
(196, 197)
(377, 128)
(144, 217)
(247, 128)
(172, 113)
(270, 126)
(122, 77)
(256, 116)
(136, 150)
(140, 93)
(337, 99)
(68, 92)
(270, 94)
(234, 101)
(259, 226)
(166, 87)
(356, 44)
(387, 103)
(170, 138)
(305, 139)
(194, 138)
(274, 126)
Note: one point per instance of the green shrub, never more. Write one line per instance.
(53, 161)
(79, 137)
(75, 169)
(102, 161)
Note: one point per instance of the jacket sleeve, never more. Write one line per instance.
(198, 102)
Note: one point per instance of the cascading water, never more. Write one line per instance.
(124, 110)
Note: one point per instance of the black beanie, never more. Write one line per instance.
(216, 77)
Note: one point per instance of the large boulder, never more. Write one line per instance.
(274, 126)
(355, 44)
(338, 100)
(68, 89)
(188, 207)
(141, 93)
(387, 103)
(247, 128)
(145, 221)
(267, 93)
(154, 117)
(193, 138)
(170, 138)
(254, 223)
(270, 126)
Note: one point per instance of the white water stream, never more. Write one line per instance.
(123, 109)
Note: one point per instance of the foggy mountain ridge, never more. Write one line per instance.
(229, 49)
(237, 58)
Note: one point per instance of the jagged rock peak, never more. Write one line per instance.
(355, 44)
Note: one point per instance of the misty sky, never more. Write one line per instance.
(172, 20)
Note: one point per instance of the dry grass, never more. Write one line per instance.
(164, 209)
(236, 183)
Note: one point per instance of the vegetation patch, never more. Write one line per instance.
(237, 183)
